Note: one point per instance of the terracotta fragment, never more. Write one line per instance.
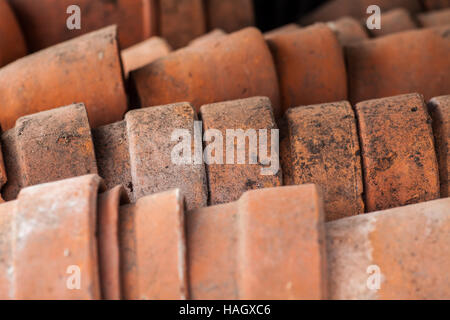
(393, 21)
(398, 156)
(335, 9)
(264, 239)
(45, 21)
(57, 241)
(197, 73)
(229, 175)
(348, 30)
(12, 42)
(435, 18)
(229, 15)
(180, 21)
(51, 78)
(323, 148)
(48, 146)
(153, 252)
(310, 65)
(144, 53)
(405, 248)
(108, 241)
(411, 61)
(440, 111)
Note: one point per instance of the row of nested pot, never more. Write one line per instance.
(71, 240)
(45, 23)
(350, 30)
(306, 67)
(335, 9)
(380, 155)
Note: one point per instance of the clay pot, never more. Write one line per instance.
(207, 37)
(412, 61)
(440, 111)
(86, 69)
(266, 231)
(335, 9)
(310, 65)
(137, 153)
(12, 43)
(229, 15)
(154, 227)
(235, 66)
(281, 30)
(229, 178)
(393, 21)
(181, 21)
(435, 18)
(255, 254)
(47, 146)
(398, 155)
(3, 176)
(144, 53)
(109, 257)
(436, 4)
(49, 240)
(404, 248)
(44, 22)
(348, 30)
(321, 146)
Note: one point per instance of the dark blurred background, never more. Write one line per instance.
(273, 14)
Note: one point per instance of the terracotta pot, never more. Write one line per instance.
(137, 153)
(398, 155)
(50, 234)
(436, 4)
(435, 18)
(229, 15)
(310, 65)
(154, 227)
(394, 21)
(281, 30)
(48, 146)
(262, 240)
(322, 147)
(405, 248)
(208, 37)
(440, 111)
(3, 176)
(6, 249)
(44, 22)
(335, 9)
(348, 30)
(109, 257)
(12, 42)
(229, 176)
(197, 73)
(234, 261)
(181, 21)
(144, 53)
(86, 69)
(412, 61)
